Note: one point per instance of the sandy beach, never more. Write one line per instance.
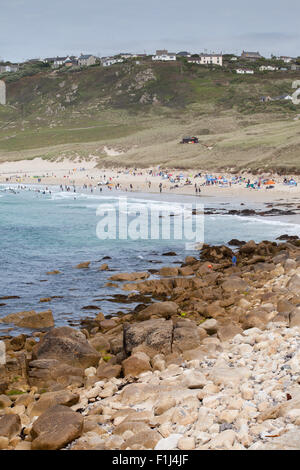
(80, 173)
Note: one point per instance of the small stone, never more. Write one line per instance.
(164, 405)
(186, 443)
(5, 402)
(10, 425)
(168, 443)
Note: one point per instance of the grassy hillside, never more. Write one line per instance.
(144, 110)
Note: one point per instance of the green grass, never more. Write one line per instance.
(76, 113)
(39, 138)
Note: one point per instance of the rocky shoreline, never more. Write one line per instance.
(209, 359)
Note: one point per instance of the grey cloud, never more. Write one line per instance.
(31, 28)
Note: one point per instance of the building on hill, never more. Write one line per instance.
(108, 61)
(9, 68)
(285, 59)
(244, 71)
(86, 60)
(127, 55)
(267, 68)
(72, 62)
(207, 59)
(49, 60)
(164, 55)
(251, 56)
(295, 67)
(59, 61)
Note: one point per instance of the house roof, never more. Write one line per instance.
(251, 54)
(85, 57)
(162, 52)
(210, 55)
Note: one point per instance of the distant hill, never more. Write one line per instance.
(144, 111)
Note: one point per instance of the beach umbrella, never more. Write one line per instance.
(270, 182)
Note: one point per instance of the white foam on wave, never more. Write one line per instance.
(257, 220)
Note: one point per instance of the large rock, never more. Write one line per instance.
(185, 337)
(294, 318)
(186, 271)
(193, 379)
(55, 428)
(227, 332)
(257, 318)
(224, 375)
(233, 284)
(49, 399)
(294, 284)
(145, 440)
(108, 371)
(44, 373)
(138, 393)
(154, 335)
(30, 319)
(161, 309)
(168, 443)
(136, 364)
(10, 425)
(282, 409)
(285, 307)
(83, 265)
(168, 271)
(164, 404)
(100, 342)
(210, 326)
(290, 264)
(249, 248)
(67, 345)
(287, 441)
(5, 402)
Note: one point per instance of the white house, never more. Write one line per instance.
(9, 68)
(207, 59)
(269, 68)
(59, 61)
(285, 59)
(111, 61)
(126, 55)
(243, 72)
(211, 59)
(164, 55)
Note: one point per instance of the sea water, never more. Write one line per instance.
(44, 232)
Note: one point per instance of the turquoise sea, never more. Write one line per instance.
(43, 232)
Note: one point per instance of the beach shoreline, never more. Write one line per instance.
(85, 174)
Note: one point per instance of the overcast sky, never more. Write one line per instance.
(44, 28)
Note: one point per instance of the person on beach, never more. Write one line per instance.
(234, 260)
(160, 187)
